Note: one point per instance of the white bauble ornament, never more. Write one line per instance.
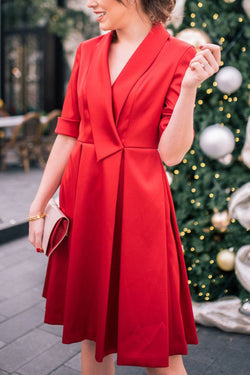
(246, 7)
(193, 36)
(220, 220)
(245, 152)
(242, 266)
(228, 79)
(226, 259)
(217, 141)
(239, 205)
(169, 177)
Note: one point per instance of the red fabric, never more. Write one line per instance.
(119, 278)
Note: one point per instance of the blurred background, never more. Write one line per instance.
(210, 187)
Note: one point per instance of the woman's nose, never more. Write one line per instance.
(91, 3)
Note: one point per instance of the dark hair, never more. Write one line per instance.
(157, 10)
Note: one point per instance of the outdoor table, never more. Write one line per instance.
(10, 122)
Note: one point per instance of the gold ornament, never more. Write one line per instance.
(226, 259)
(220, 220)
(193, 36)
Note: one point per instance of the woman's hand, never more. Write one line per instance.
(202, 66)
(36, 228)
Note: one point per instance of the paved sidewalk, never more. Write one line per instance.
(29, 347)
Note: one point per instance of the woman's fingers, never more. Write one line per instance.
(36, 233)
(215, 51)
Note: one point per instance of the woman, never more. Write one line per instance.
(118, 283)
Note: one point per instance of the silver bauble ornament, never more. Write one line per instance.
(245, 308)
(220, 220)
(178, 13)
(228, 79)
(217, 141)
(226, 259)
(194, 36)
(239, 205)
(226, 160)
(245, 152)
(242, 266)
(169, 177)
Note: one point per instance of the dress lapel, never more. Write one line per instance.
(139, 62)
(99, 98)
(99, 90)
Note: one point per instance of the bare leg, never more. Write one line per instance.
(90, 366)
(176, 367)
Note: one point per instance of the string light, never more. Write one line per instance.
(235, 99)
(221, 109)
(192, 201)
(211, 261)
(211, 195)
(209, 91)
(197, 261)
(184, 161)
(233, 220)
(200, 102)
(193, 190)
(243, 49)
(192, 249)
(200, 294)
(196, 223)
(196, 176)
(198, 204)
(212, 227)
(195, 284)
(237, 139)
(203, 286)
(232, 188)
(202, 237)
(192, 15)
(192, 152)
(204, 25)
(192, 24)
(202, 165)
(189, 268)
(215, 16)
(229, 115)
(237, 131)
(240, 19)
(221, 276)
(217, 175)
(210, 277)
(194, 167)
(225, 97)
(176, 171)
(200, 5)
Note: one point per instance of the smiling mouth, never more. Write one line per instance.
(99, 14)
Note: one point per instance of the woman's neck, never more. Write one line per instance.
(134, 32)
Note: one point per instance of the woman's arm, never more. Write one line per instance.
(51, 178)
(177, 138)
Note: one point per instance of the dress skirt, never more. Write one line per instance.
(119, 278)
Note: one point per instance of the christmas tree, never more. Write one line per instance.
(210, 186)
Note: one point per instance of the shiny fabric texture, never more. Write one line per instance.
(120, 277)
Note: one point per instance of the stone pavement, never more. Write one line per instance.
(29, 347)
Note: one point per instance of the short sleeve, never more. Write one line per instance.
(175, 88)
(68, 123)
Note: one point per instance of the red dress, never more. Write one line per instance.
(120, 277)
